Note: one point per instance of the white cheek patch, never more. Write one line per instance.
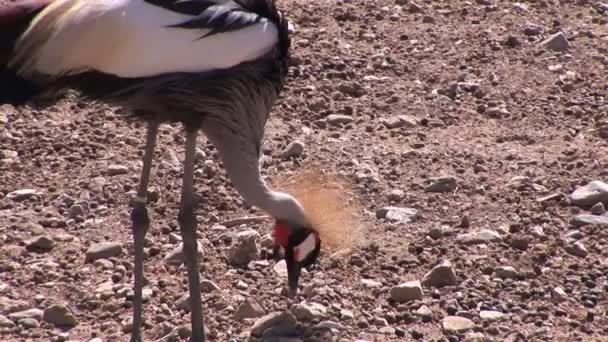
(305, 248)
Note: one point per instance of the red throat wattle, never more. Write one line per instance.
(281, 234)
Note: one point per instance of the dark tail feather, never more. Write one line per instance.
(14, 19)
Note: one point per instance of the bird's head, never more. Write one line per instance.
(301, 245)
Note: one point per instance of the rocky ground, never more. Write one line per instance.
(472, 131)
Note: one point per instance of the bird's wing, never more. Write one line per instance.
(140, 38)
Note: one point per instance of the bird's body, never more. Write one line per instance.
(213, 65)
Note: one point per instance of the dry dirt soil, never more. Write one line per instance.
(462, 90)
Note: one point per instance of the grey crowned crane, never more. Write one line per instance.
(216, 66)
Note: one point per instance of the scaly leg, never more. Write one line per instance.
(141, 222)
(187, 224)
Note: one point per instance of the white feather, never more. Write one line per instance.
(130, 38)
(306, 247)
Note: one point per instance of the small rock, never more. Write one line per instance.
(438, 232)
(347, 315)
(371, 284)
(441, 275)
(280, 268)
(442, 184)
(59, 315)
(76, 210)
(590, 194)
(6, 323)
(395, 195)
(400, 121)
(456, 324)
(23, 194)
(306, 311)
(505, 272)
(488, 315)
(475, 337)
(241, 285)
(598, 209)
(557, 42)
(337, 119)
(30, 313)
(329, 325)
(586, 220)
(397, 214)
(497, 112)
(40, 243)
(478, 237)
(29, 323)
(115, 170)
(250, 308)
(103, 250)
(176, 256)
(558, 294)
(520, 242)
(207, 286)
(294, 149)
(423, 311)
(408, 291)
(244, 248)
(577, 248)
(284, 319)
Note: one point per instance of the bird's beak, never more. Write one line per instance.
(293, 275)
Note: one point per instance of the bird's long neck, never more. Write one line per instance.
(241, 163)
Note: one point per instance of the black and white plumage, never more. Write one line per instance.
(213, 65)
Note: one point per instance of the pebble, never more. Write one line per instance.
(294, 149)
(577, 248)
(244, 248)
(207, 286)
(520, 242)
(400, 121)
(338, 119)
(59, 315)
(557, 42)
(115, 170)
(598, 209)
(479, 237)
(423, 311)
(441, 275)
(558, 294)
(371, 284)
(489, 315)
(347, 315)
(442, 184)
(40, 243)
(475, 337)
(280, 268)
(590, 194)
(250, 308)
(329, 325)
(103, 250)
(586, 220)
(5, 322)
(408, 291)
(307, 311)
(274, 319)
(29, 323)
(23, 194)
(395, 195)
(176, 256)
(505, 272)
(456, 324)
(30, 313)
(397, 214)
(438, 232)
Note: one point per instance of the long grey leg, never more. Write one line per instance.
(187, 224)
(141, 223)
